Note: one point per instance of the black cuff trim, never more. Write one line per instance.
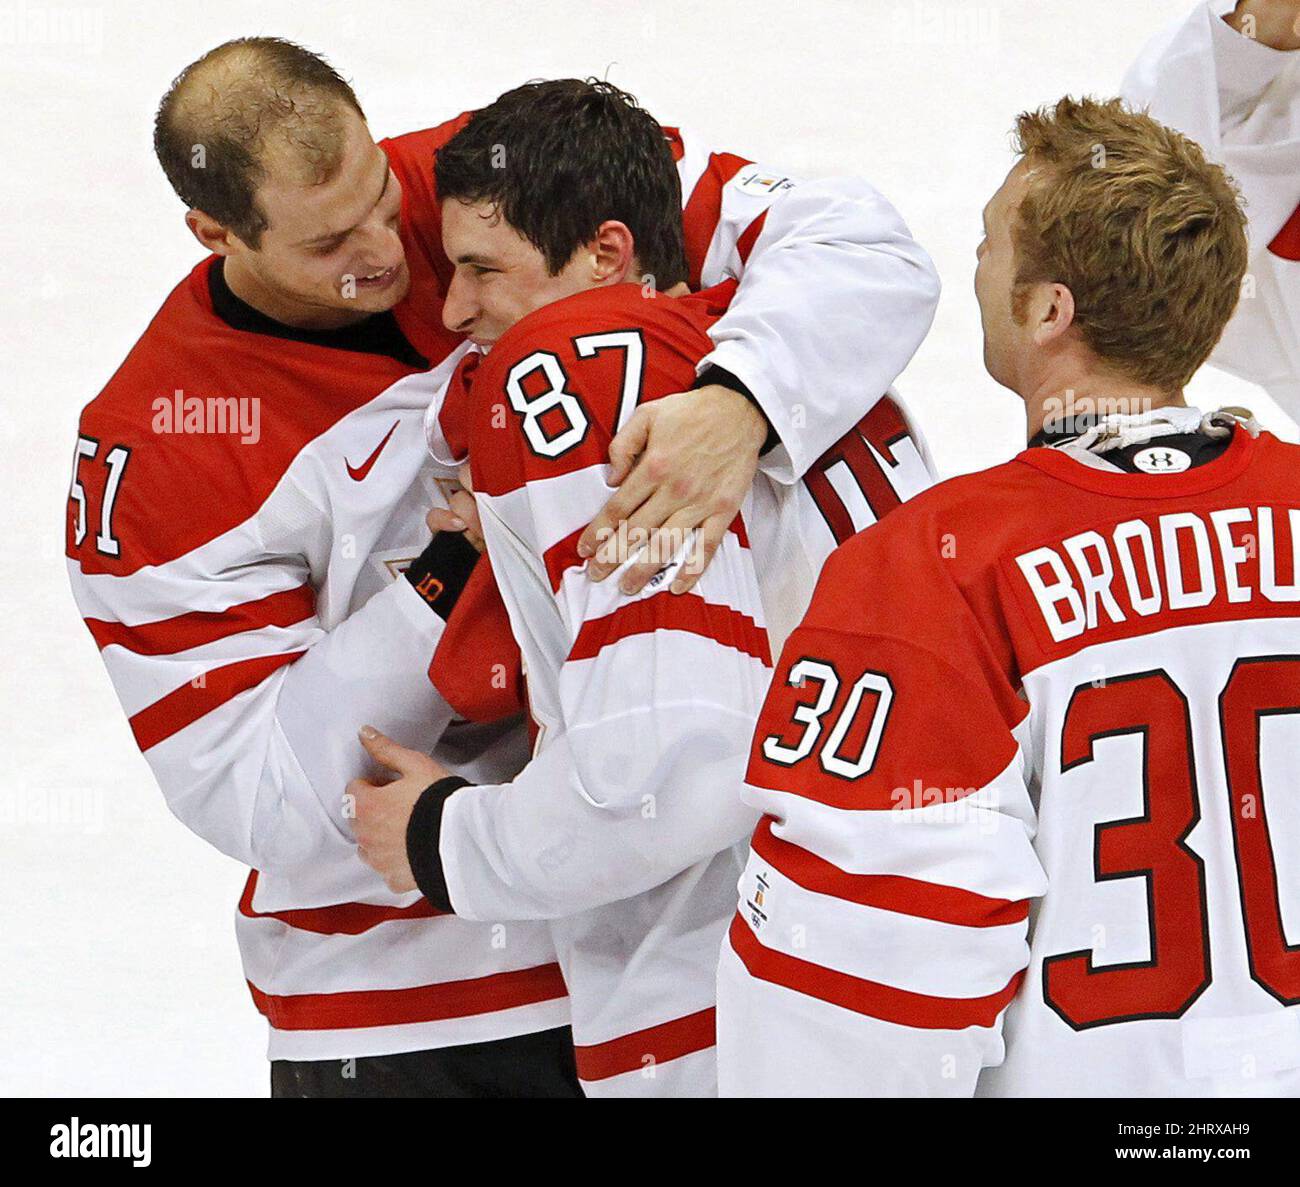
(724, 378)
(423, 834)
(440, 572)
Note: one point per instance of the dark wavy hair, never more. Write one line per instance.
(558, 158)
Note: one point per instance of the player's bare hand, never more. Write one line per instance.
(382, 811)
(461, 516)
(680, 463)
(1274, 23)
(462, 513)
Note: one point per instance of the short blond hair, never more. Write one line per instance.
(1148, 235)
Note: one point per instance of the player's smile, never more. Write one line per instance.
(378, 281)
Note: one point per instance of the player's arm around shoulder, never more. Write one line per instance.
(807, 254)
(775, 389)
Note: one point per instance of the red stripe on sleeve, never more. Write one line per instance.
(906, 896)
(185, 705)
(420, 1003)
(704, 209)
(867, 997)
(1286, 243)
(170, 635)
(561, 556)
(745, 244)
(653, 1045)
(673, 612)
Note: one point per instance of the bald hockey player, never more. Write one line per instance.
(247, 537)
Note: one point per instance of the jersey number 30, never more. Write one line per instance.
(1154, 845)
(871, 688)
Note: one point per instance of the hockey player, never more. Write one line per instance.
(621, 831)
(246, 536)
(1228, 75)
(1073, 678)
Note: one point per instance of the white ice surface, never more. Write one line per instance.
(118, 967)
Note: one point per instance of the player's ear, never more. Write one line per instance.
(1052, 312)
(613, 253)
(211, 234)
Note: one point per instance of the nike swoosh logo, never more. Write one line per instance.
(358, 473)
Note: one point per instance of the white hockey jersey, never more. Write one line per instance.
(1053, 681)
(1241, 101)
(244, 499)
(622, 829)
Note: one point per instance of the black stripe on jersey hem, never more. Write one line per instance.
(378, 334)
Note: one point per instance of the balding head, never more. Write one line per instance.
(246, 110)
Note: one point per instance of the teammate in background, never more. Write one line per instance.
(1228, 75)
(1075, 676)
(245, 585)
(622, 830)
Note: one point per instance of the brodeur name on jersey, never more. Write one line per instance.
(245, 584)
(1240, 100)
(1073, 678)
(622, 830)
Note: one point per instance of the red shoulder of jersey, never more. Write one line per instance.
(197, 426)
(703, 210)
(553, 391)
(899, 652)
(419, 313)
(411, 156)
(928, 562)
(1052, 556)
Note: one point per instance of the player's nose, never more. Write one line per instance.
(459, 311)
(381, 245)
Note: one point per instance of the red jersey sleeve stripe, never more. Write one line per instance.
(341, 919)
(1286, 243)
(745, 244)
(561, 557)
(906, 896)
(662, 1043)
(899, 1006)
(185, 705)
(704, 209)
(170, 635)
(420, 1003)
(673, 612)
